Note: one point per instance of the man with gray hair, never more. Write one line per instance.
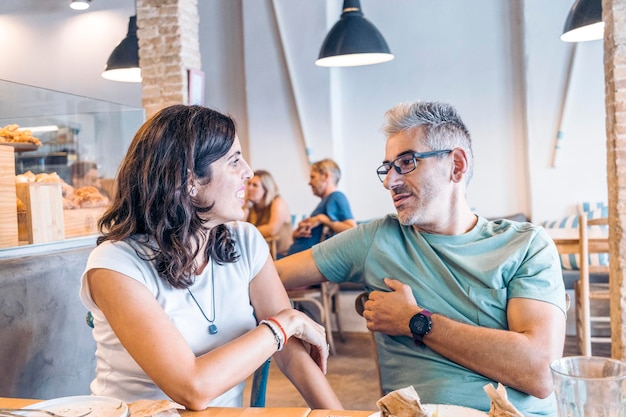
(457, 301)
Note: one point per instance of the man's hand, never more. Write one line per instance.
(519, 357)
(306, 225)
(303, 229)
(390, 312)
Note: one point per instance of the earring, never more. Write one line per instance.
(193, 192)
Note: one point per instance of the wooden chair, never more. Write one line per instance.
(359, 306)
(588, 293)
(325, 298)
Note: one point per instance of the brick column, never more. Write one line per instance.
(614, 16)
(168, 46)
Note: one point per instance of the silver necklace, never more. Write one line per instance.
(212, 327)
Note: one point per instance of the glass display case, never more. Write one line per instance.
(71, 129)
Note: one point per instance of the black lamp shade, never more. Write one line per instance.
(353, 40)
(584, 22)
(123, 63)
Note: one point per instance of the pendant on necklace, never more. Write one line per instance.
(212, 327)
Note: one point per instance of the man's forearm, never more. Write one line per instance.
(299, 270)
(517, 360)
(518, 357)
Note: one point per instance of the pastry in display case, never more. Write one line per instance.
(19, 139)
(66, 151)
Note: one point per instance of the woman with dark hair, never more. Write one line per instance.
(268, 211)
(186, 300)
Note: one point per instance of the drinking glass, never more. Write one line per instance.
(589, 386)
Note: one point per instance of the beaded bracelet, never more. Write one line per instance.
(277, 335)
(285, 338)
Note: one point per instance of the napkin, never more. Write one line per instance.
(500, 404)
(154, 408)
(404, 402)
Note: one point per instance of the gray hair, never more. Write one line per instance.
(327, 166)
(442, 124)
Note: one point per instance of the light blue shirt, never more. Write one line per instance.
(468, 278)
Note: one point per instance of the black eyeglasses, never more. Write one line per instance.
(406, 163)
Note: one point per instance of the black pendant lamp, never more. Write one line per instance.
(353, 41)
(123, 64)
(584, 22)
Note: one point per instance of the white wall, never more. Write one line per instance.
(580, 171)
(437, 59)
(500, 63)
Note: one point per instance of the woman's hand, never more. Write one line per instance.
(304, 358)
(312, 334)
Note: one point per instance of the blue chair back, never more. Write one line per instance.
(259, 385)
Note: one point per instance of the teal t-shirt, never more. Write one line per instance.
(467, 277)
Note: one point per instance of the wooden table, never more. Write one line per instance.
(247, 412)
(339, 413)
(15, 402)
(229, 412)
(566, 240)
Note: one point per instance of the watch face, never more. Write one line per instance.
(420, 324)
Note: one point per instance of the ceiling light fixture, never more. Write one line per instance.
(353, 41)
(80, 4)
(584, 22)
(38, 129)
(123, 64)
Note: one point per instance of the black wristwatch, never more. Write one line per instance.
(420, 325)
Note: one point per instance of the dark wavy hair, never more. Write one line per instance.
(152, 205)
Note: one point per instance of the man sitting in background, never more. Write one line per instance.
(85, 174)
(333, 211)
(457, 301)
(88, 191)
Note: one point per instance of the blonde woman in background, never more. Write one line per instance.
(268, 211)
